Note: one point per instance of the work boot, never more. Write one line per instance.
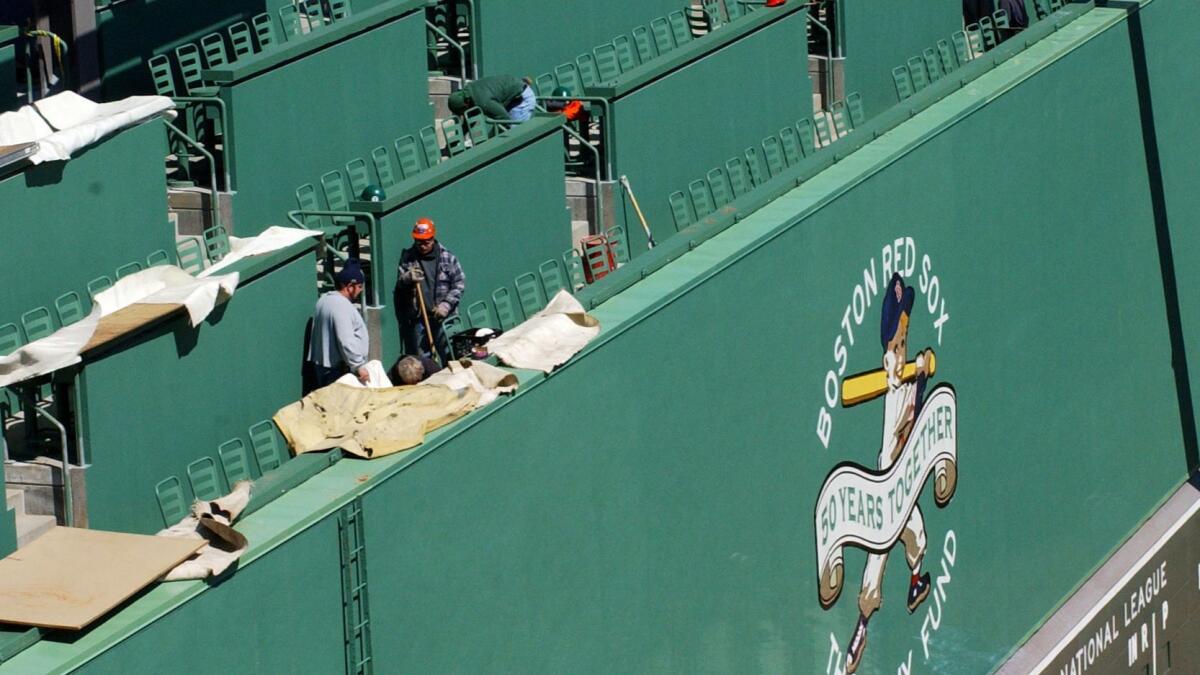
(858, 643)
(918, 590)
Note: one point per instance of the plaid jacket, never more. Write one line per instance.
(448, 286)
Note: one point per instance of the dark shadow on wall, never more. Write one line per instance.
(1158, 200)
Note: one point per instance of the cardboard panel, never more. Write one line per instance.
(70, 577)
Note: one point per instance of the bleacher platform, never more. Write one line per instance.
(154, 401)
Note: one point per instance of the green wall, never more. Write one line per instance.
(673, 130)
(293, 123)
(650, 507)
(70, 222)
(501, 220)
(283, 614)
(529, 38)
(1166, 28)
(132, 31)
(172, 396)
(878, 36)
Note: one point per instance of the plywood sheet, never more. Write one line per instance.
(69, 577)
(126, 320)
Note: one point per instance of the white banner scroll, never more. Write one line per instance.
(868, 509)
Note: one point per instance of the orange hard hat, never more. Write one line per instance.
(424, 229)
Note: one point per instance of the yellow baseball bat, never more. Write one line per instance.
(873, 383)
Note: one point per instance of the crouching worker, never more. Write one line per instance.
(429, 286)
(412, 370)
(339, 342)
(500, 97)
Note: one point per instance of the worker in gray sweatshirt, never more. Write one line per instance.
(339, 342)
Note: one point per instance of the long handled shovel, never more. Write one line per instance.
(650, 243)
(425, 317)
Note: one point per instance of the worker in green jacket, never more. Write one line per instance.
(500, 97)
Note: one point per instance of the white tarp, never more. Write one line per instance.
(376, 377)
(271, 239)
(549, 338)
(66, 122)
(155, 286)
(483, 378)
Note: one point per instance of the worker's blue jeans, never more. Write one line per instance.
(412, 332)
(524, 110)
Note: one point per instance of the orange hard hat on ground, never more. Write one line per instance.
(424, 229)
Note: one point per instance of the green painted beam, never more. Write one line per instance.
(322, 38)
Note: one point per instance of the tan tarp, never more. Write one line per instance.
(69, 577)
(371, 422)
(374, 422)
(549, 338)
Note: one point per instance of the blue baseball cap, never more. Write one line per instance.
(897, 300)
(351, 272)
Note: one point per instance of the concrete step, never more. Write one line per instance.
(14, 500)
(191, 212)
(41, 481)
(581, 201)
(31, 527)
(440, 89)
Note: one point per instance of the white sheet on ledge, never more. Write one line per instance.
(271, 239)
(155, 286)
(549, 338)
(66, 122)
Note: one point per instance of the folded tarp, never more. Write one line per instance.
(65, 123)
(549, 338)
(133, 302)
(370, 422)
(212, 523)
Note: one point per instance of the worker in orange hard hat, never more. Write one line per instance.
(429, 286)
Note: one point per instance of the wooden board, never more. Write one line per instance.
(69, 577)
(127, 320)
